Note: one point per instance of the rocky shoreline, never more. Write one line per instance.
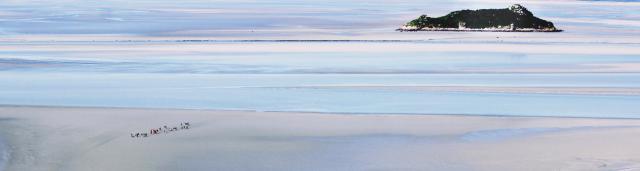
(475, 30)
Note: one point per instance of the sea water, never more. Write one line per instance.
(290, 92)
(301, 81)
(64, 66)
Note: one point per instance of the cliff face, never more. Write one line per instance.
(514, 18)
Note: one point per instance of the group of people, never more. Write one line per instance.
(160, 130)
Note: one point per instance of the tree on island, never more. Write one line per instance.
(516, 17)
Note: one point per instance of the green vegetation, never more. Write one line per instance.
(513, 18)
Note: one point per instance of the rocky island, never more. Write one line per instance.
(516, 18)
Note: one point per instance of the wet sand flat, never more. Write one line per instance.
(65, 138)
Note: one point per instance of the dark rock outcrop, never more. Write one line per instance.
(516, 18)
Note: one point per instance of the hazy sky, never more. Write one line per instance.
(221, 18)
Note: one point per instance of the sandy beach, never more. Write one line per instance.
(66, 138)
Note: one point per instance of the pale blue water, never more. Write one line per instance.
(19, 58)
(111, 75)
(502, 134)
(274, 92)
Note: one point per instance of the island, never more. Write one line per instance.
(516, 18)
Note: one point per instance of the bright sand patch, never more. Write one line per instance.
(46, 138)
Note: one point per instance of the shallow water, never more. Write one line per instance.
(196, 59)
(49, 56)
(192, 76)
(283, 92)
(4, 154)
(503, 134)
